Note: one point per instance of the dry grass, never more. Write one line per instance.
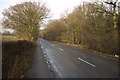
(16, 57)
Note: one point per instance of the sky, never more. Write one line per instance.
(56, 6)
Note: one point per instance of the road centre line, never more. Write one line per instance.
(87, 62)
(61, 49)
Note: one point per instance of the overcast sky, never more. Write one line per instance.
(56, 6)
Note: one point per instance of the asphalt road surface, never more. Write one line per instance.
(72, 62)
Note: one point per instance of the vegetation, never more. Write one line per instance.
(17, 48)
(25, 18)
(89, 25)
(16, 57)
(8, 37)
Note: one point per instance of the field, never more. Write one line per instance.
(8, 37)
(16, 57)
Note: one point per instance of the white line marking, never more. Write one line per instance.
(55, 68)
(86, 62)
(61, 49)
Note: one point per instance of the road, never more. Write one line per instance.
(72, 62)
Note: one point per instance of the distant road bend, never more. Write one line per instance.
(71, 62)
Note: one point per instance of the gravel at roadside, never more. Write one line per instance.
(39, 67)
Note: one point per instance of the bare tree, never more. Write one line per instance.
(114, 4)
(88, 25)
(25, 18)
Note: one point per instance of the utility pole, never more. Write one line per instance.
(114, 11)
(119, 7)
(111, 7)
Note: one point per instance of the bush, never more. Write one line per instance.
(16, 57)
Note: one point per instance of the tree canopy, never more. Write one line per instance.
(25, 18)
(89, 25)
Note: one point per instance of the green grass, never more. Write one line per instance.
(8, 36)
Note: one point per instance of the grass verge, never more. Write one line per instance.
(16, 57)
(93, 51)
